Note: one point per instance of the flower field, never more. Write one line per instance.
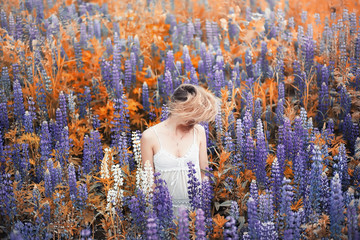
(80, 80)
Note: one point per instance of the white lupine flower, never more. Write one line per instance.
(115, 194)
(147, 178)
(107, 160)
(111, 200)
(117, 174)
(139, 174)
(136, 146)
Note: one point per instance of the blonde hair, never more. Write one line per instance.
(193, 103)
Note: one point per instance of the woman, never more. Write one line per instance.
(179, 139)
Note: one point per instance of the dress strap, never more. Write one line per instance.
(153, 128)
(194, 135)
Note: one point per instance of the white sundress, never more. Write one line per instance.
(174, 170)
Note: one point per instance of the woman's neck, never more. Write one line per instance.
(177, 125)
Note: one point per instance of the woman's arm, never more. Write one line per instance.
(147, 148)
(203, 157)
(147, 154)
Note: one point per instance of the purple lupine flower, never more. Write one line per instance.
(285, 212)
(7, 199)
(193, 187)
(263, 61)
(280, 112)
(250, 102)
(200, 225)
(19, 109)
(268, 231)
(336, 207)
(2, 151)
(96, 146)
(45, 149)
(120, 119)
(97, 29)
(276, 182)
(248, 122)
(12, 23)
(299, 135)
(145, 97)
(281, 91)
(258, 109)
(345, 101)
(109, 48)
(287, 138)
(123, 155)
(352, 221)
(230, 229)
(328, 133)
(164, 113)
(342, 48)
(253, 220)
(315, 176)
(168, 84)
(266, 207)
(128, 74)
(53, 174)
(90, 29)
(299, 167)
(82, 195)
(207, 194)
(62, 147)
(83, 35)
(218, 121)
(28, 123)
(152, 228)
(187, 59)
(62, 106)
(261, 153)
(325, 194)
(250, 153)
(137, 206)
(88, 156)
(308, 52)
(193, 77)
(162, 203)
(3, 19)
(96, 121)
(350, 132)
(78, 55)
(219, 79)
(234, 210)
(46, 211)
(4, 119)
(229, 144)
(106, 73)
(352, 23)
(281, 156)
(85, 234)
(357, 50)
(254, 192)
(343, 165)
(56, 175)
(36, 197)
(72, 182)
(169, 61)
(240, 146)
(183, 233)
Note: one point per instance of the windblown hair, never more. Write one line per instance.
(193, 103)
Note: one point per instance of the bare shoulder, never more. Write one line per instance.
(147, 135)
(200, 130)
